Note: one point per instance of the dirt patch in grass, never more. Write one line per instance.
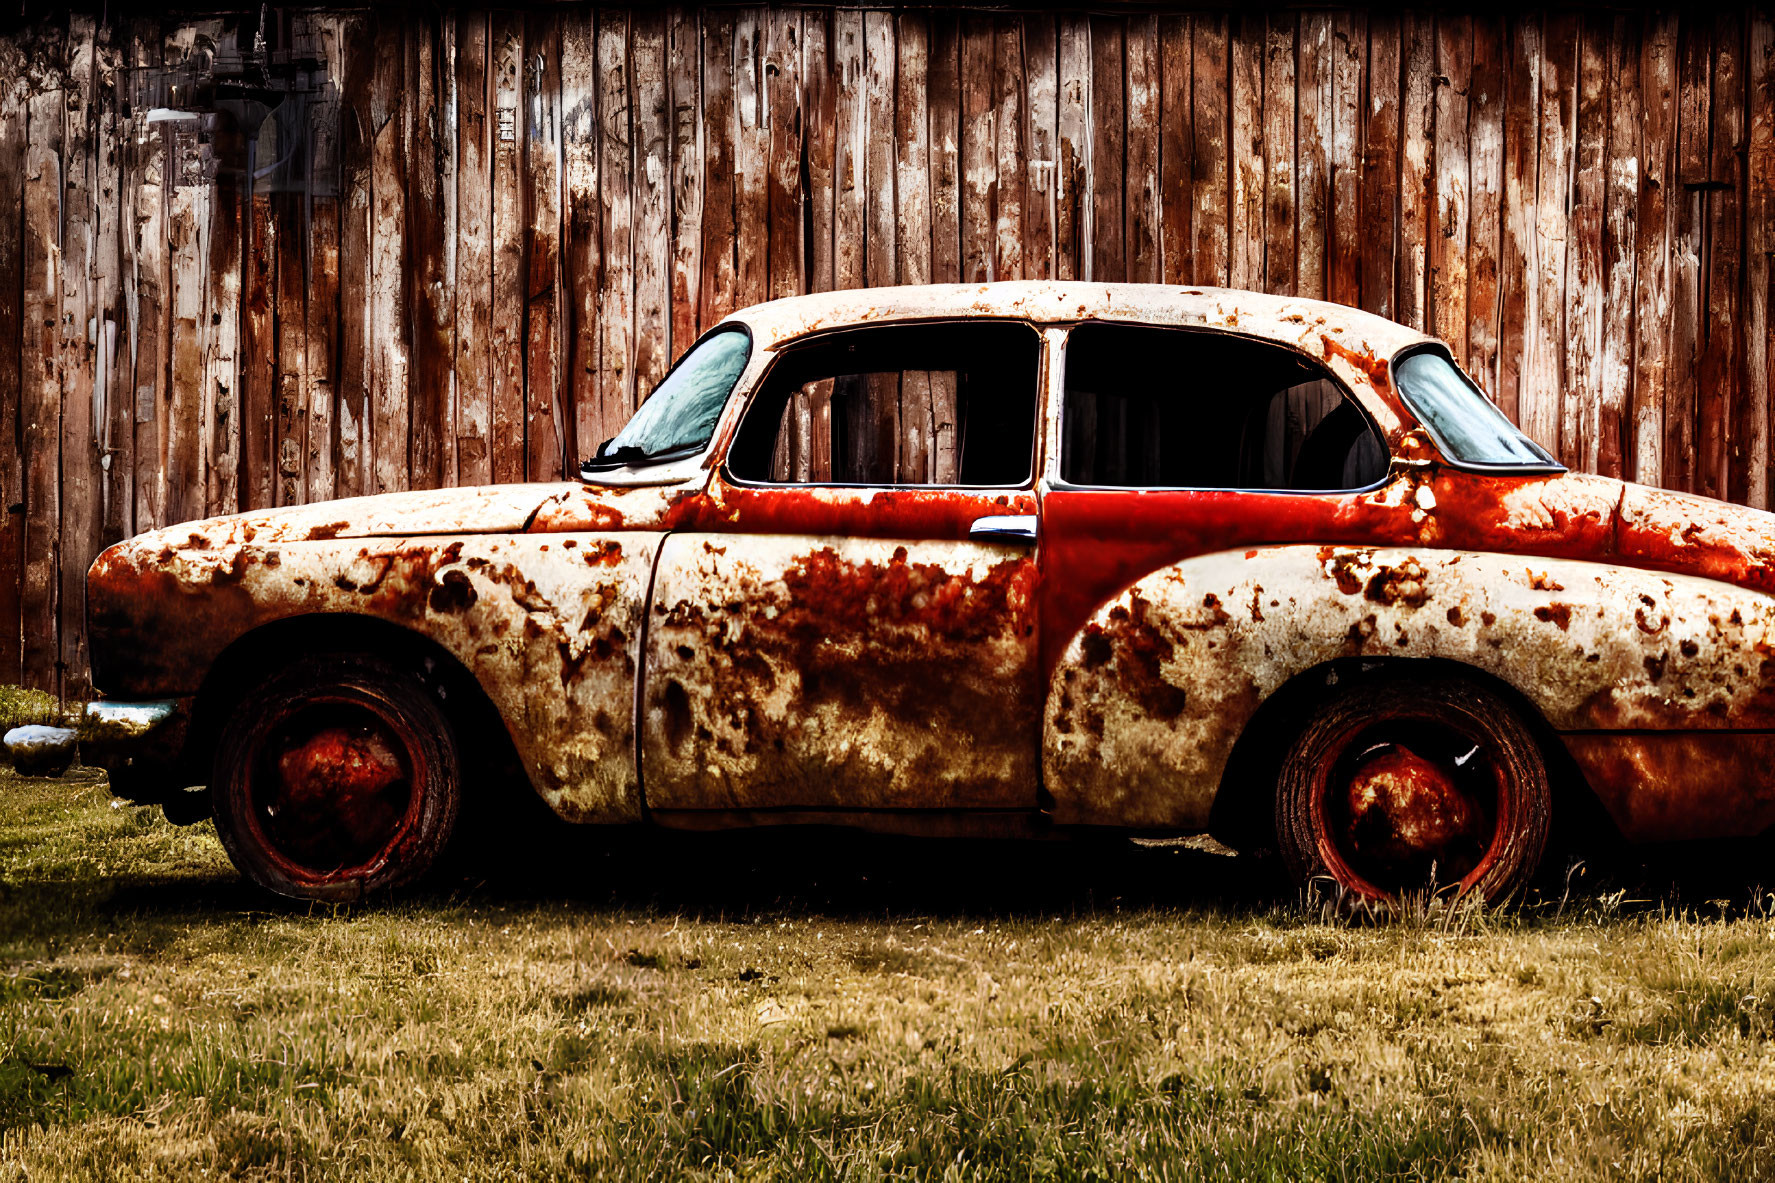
(814, 1006)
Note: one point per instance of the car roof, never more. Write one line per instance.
(1309, 325)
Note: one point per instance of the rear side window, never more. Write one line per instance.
(921, 404)
(1186, 408)
(1467, 427)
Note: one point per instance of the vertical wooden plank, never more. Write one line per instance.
(819, 107)
(1313, 187)
(40, 390)
(751, 159)
(1144, 233)
(1211, 180)
(321, 370)
(1278, 153)
(1448, 240)
(1246, 221)
(880, 253)
(720, 282)
(1654, 213)
(615, 170)
(979, 159)
(851, 124)
(652, 180)
(431, 166)
(1008, 135)
(1725, 428)
(1584, 279)
(450, 227)
(943, 91)
(355, 341)
(474, 248)
(258, 336)
(1417, 113)
(1518, 252)
(1546, 353)
(13, 100)
(911, 129)
(287, 347)
(782, 84)
(78, 358)
(1108, 258)
(152, 284)
(391, 340)
(685, 34)
(1349, 36)
(1072, 192)
(1682, 403)
(1380, 166)
(112, 389)
(1485, 118)
(1759, 240)
(1176, 143)
(1619, 243)
(1040, 62)
(508, 336)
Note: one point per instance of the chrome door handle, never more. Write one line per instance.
(1012, 528)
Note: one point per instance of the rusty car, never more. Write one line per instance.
(1019, 559)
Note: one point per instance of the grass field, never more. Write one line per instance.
(813, 1005)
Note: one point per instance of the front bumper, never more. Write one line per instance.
(140, 744)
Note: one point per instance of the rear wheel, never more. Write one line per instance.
(1410, 783)
(336, 777)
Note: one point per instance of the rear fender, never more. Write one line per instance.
(1148, 699)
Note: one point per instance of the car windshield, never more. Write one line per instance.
(1466, 425)
(680, 415)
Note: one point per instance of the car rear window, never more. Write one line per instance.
(1467, 427)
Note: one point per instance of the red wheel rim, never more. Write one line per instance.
(1411, 799)
(334, 787)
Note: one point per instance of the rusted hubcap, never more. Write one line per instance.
(1410, 802)
(333, 787)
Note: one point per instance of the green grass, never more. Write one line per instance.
(812, 1006)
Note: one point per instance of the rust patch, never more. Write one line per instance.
(1403, 585)
(1559, 614)
(453, 593)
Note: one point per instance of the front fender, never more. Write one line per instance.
(549, 625)
(1149, 697)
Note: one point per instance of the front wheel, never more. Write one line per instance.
(336, 777)
(1411, 783)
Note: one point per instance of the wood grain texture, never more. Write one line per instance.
(1485, 179)
(1278, 153)
(1349, 32)
(1210, 180)
(912, 167)
(1246, 223)
(1380, 167)
(1312, 160)
(473, 240)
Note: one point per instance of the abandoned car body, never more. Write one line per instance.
(1020, 558)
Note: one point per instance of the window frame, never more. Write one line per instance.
(762, 382)
(1056, 480)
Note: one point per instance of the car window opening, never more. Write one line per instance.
(927, 404)
(1181, 408)
(679, 417)
(1467, 427)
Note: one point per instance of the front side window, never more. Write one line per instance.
(1194, 409)
(921, 404)
(1467, 427)
(680, 415)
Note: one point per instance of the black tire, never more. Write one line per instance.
(335, 778)
(1403, 783)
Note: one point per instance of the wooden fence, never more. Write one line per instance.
(247, 264)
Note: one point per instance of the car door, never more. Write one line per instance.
(852, 627)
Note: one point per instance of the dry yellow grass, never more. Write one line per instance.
(811, 1006)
